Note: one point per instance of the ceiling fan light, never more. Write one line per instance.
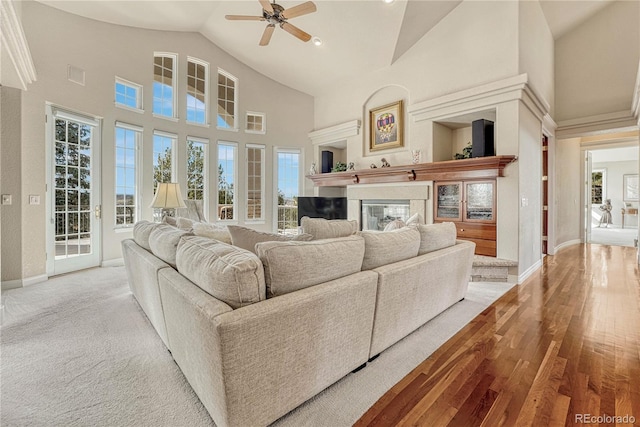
(317, 41)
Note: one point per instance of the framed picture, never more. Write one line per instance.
(387, 124)
(630, 188)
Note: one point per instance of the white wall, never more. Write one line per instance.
(568, 191)
(58, 39)
(614, 173)
(596, 64)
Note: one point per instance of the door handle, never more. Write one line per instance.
(98, 211)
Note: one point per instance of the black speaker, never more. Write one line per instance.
(482, 138)
(327, 161)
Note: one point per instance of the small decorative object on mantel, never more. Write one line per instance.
(466, 152)
(351, 167)
(415, 156)
(385, 164)
(373, 166)
(312, 170)
(339, 167)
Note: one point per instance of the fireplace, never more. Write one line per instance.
(376, 214)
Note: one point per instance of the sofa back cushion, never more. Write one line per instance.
(230, 274)
(212, 231)
(436, 236)
(246, 238)
(163, 241)
(386, 247)
(290, 266)
(141, 232)
(321, 228)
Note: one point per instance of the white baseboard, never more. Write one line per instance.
(19, 283)
(11, 284)
(118, 262)
(524, 276)
(567, 244)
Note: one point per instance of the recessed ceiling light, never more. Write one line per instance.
(317, 41)
(388, 1)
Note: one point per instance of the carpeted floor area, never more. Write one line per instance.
(613, 235)
(78, 351)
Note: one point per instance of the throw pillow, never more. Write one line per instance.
(396, 224)
(436, 236)
(184, 223)
(290, 266)
(386, 247)
(321, 228)
(212, 231)
(246, 238)
(415, 219)
(170, 220)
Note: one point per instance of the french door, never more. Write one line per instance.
(73, 191)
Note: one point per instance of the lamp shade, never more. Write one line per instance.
(168, 196)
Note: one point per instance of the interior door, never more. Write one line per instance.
(587, 196)
(73, 196)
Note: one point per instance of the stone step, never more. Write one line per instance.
(490, 269)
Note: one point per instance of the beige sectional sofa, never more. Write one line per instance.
(257, 334)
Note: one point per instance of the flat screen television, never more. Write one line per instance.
(322, 207)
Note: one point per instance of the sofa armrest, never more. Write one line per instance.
(254, 364)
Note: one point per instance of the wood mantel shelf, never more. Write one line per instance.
(475, 168)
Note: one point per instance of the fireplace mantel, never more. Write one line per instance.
(465, 169)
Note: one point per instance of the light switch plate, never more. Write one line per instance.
(6, 199)
(34, 199)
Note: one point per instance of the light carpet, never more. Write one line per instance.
(613, 235)
(78, 351)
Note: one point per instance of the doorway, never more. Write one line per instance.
(611, 196)
(73, 191)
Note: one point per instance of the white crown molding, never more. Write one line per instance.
(549, 125)
(635, 104)
(335, 133)
(14, 43)
(481, 97)
(620, 121)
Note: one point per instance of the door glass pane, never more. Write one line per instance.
(480, 201)
(72, 182)
(448, 201)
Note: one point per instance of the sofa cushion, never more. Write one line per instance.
(290, 266)
(321, 228)
(185, 223)
(141, 232)
(246, 238)
(171, 220)
(436, 236)
(212, 231)
(230, 274)
(386, 247)
(163, 241)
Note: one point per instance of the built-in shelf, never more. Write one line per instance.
(475, 168)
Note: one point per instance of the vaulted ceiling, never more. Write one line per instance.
(358, 36)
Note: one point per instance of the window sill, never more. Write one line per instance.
(228, 129)
(256, 132)
(255, 221)
(119, 230)
(126, 107)
(171, 119)
(202, 125)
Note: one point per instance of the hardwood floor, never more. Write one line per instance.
(563, 344)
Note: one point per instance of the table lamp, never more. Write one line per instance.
(168, 197)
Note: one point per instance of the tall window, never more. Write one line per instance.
(288, 170)
(128, 94)
(128, 139)
(597, 186)
(227, 100)
(197, 169)
(197, 77)
(226, 180)
(255, 182)
(163, 158)
(164, 83)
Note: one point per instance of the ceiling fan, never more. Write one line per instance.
(275, 14)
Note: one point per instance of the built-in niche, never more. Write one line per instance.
(453, 134)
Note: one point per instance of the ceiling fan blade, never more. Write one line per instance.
(266, 36)
(299, 10)
(244, 18)
(266, 5)
(293, 30)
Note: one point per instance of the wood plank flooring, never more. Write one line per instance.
(564, 344)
